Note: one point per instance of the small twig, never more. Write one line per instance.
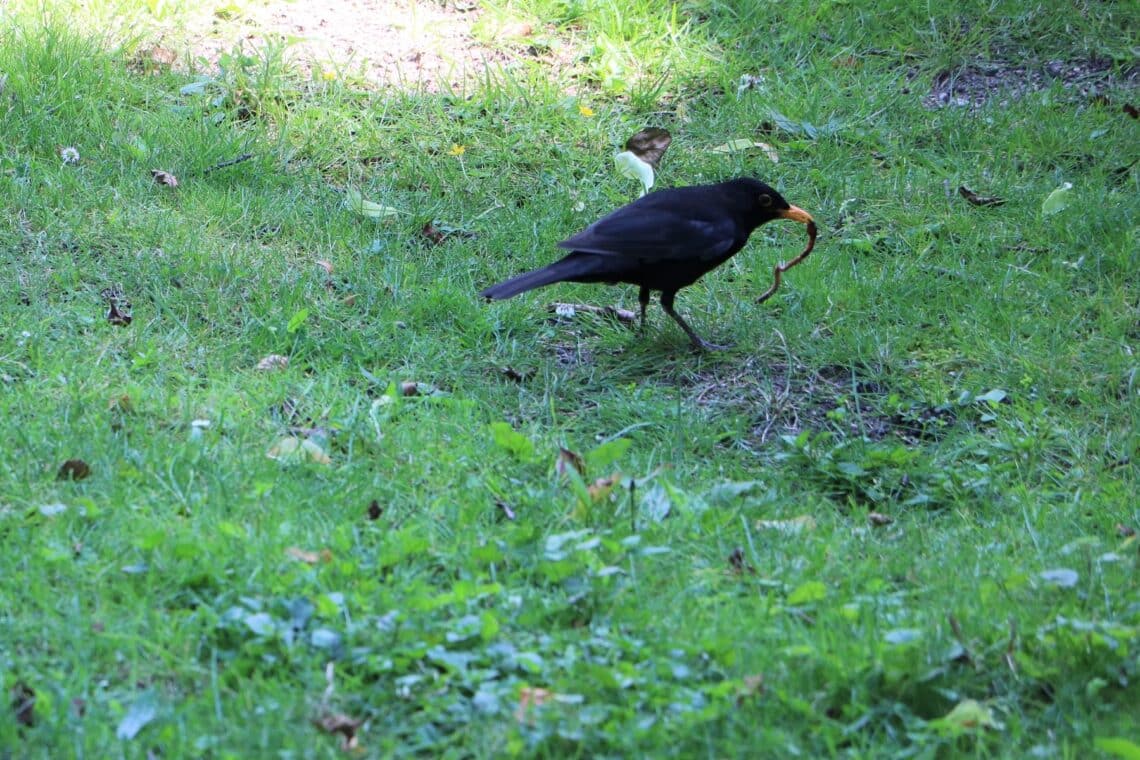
(778, 272)
(1009, 661)
(956, 627)
(231, 162)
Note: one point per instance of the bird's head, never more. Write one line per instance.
(766, 204)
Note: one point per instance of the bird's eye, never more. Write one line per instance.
(765, 200)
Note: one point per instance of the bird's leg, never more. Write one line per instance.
(667, 297)
(643, 299)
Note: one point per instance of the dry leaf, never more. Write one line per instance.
(431, 233)
(569, 309)
(343, 725)
(273, 362)
(738, 564)
(744, 144)
(878, 518)
(24, 704)
(293, 449)
(750, 687)
(789, 526)
(567, 459)
(531, 697)
(309, 558)
(73, 469)
(649, 145)
(164, 178)
(121, 404)
(1131, 110)
(979, 200)
(602, 487)
(325, 265)
(409, 388)
(845, 62)
(513, 374)
(375, 510)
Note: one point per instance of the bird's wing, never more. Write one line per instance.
(656, 234)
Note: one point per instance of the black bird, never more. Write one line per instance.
(663, 241)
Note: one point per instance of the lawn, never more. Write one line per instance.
(279, 484)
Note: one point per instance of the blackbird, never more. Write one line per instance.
(663, 241)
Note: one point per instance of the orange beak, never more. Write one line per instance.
(796, 214)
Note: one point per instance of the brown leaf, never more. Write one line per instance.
(531, 697)
(738, 564)
(309, 558)
(273, 362)
(120, 404)
(325, 265)
(649, 145)
(845, 62)
(513, 374)
(432, 234)
(164, 178)
(409, 388)
(1131, 110)
(750, 687)
(602, 487)
(375, 510)
(877, 519)
(567, 459)
(73, 469)
(979, 200)
(340, 724)
(24, 704)
(116, 317)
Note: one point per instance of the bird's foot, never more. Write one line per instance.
(700, 344)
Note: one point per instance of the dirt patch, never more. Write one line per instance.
(982, 82)
(418, 45)
(789, 399)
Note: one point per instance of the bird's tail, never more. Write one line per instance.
(569, 268)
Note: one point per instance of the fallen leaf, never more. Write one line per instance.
(968, 716)
(164, 178)
(531, 697)
(141, 712)
(979, 200)
(1058, 200)
(567, 459)
(409, 388)
(743, 144)
(1131, 110)
(790, 526)
(602, 487)
(570, 309)
(845, 62)
(750, 686)
(292, 449)
(325, 265)
(120, 404)
(629, 165)
(878, 518)
(513, 374)
(24, 704)
(273, 362)
(73, 469)
(375, 510)
(343, 725)
(649, 145)
(358, 204)
(738, 564)
(431, 233)
(309, 558)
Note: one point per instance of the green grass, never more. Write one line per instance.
(969, 373)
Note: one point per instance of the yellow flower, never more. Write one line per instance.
(457, 150)
(328, 76)
(586, 111)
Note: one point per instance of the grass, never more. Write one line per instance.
(892, 521)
